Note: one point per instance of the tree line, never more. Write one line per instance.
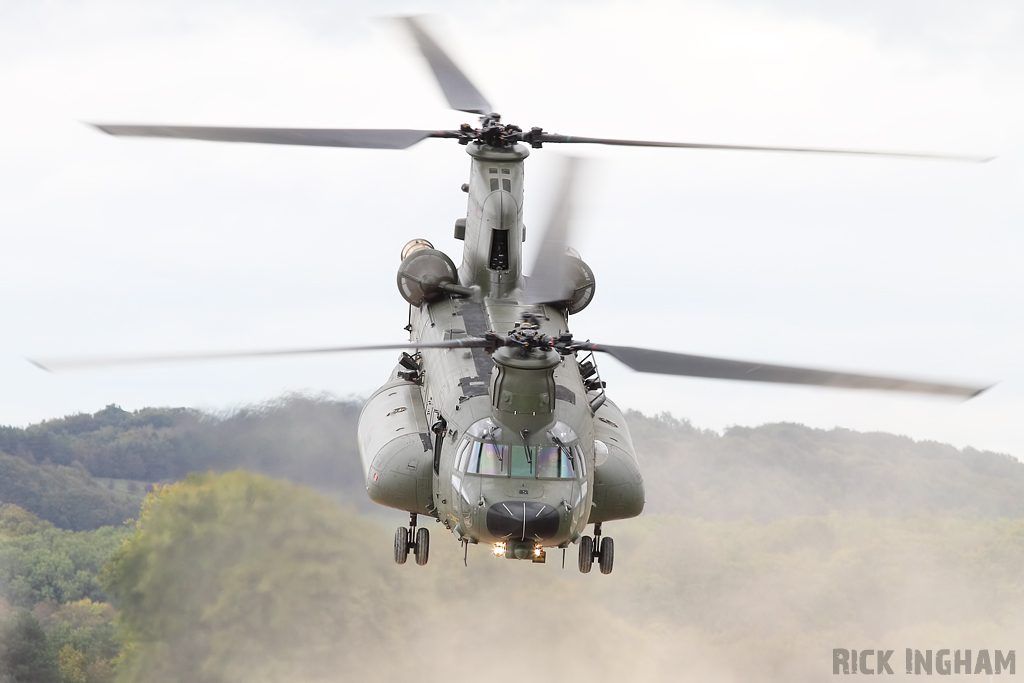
(304, 437)
(763, 473)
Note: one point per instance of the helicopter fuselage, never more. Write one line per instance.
(512, 447)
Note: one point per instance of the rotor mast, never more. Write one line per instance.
(493, 253)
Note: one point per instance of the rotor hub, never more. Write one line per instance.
(527, 336)
(493, 133)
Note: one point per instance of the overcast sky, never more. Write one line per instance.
(886, 266)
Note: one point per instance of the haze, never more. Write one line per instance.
(760, 551)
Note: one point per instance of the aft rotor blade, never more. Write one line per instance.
(316, 137)
(668, 363)
(549, 279)
(113, 361)
(460, 92)
(552, 137)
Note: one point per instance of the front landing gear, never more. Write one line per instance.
(409, 539)
(401, 545)
(596, 548)
(586, 554)
(421, 547)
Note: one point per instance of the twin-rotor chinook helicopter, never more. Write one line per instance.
(498, 425)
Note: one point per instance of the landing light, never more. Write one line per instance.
(499, 549)
(537, 552)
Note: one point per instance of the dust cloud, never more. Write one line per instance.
(240, 578)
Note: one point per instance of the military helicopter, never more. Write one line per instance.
(497, 424)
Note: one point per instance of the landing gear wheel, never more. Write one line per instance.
(401, 545)
(586, 554)
(607, 555)
(422, 547)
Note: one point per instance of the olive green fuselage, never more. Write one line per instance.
(504, 447)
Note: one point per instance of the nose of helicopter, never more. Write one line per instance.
(523, 521)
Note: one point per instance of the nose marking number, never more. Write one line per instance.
(524, 492)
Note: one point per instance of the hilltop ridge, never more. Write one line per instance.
(63, 469)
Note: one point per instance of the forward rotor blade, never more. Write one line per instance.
(552, 137)
(460, 92)
(549, 279)
(316, 137)
(113, 361)
(667, 363)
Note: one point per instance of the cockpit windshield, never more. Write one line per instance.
(555, 461)
(482, 452)
(486, 458)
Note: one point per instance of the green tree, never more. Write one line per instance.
(56, 565)
(83, 625)
(25, 655)
(16, 521)
(71, 665)
(233, 576)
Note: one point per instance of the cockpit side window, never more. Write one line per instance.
(460, 458)
(581, 460)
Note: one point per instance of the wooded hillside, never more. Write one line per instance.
(761, 549)
(762, 473)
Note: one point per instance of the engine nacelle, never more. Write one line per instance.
(396, 447)
(423, 271)
(583, 284)
(618, 484)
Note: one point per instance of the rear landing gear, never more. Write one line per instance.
(409, 539)
(596, 548)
